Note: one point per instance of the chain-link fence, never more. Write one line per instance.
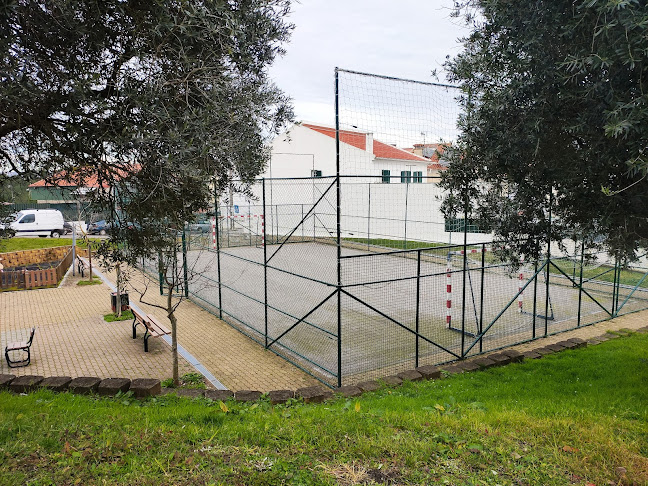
(360, 275)
(382, 298)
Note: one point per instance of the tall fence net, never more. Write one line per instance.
(359, 276)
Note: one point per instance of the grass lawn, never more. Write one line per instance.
(19, 244)
(579, 417)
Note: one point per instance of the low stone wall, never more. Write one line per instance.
(31, 257)
(148, 387)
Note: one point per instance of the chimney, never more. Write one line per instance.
(370, 143)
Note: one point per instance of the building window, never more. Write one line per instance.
(406, 176)
(418, 177)
(316, 173)
(386, 176)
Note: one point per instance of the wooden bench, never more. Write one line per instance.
(23, 346)
(153, 327)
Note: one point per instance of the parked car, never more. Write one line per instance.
(100, 227)
(67, 227)
(39, 222)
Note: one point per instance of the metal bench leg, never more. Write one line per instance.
(21, 363)
(146, 337)
(135, 323)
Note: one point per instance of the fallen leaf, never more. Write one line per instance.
(569, 449)
(223, 407)
(357, 407)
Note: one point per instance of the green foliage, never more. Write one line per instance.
(555, 121)
(570, 418)
(156, 101)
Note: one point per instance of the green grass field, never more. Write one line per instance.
(579, 417)
(19, 244)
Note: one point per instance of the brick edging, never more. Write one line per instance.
(149, 387)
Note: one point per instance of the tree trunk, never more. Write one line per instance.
(174, 335)
(89, 261)
(118, 310)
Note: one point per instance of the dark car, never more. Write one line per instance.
(99, 228)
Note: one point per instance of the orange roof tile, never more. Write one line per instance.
(359, 140)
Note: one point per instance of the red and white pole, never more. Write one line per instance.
(448, 295)
(263, 229)
(520, 292)
(213, 222)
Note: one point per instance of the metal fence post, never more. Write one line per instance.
(580, 283)
(463, 292)
(184, 263)
(418, 301)
(481, 298)
(160, 267)
(265, 266)
(218, 252)
(338, 228)
(546, 314)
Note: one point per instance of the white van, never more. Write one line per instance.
(39, 222)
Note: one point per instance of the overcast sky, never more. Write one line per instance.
(401, 38)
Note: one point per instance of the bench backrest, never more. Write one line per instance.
(31, 336)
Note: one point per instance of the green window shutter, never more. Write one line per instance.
(386, 176)
(406, 176)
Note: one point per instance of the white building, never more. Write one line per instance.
(397, 202)
(308, 150)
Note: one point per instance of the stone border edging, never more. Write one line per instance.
(149, 387)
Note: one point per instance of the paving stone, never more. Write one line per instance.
(531, 355)
(643, 330)
(5, 380)
(467, 366)
(84, 385)
(112, 386)
(429, 372)
(567, 344)
(313, 394)
(516, 356)
(484, 362)
(410, 375)
(580, 343)
(190, 392)
(221, 395)
(247, 395)
(56, 383)
(349, 391)
(544, 351)
(392, 380)
(624, 331)
(369, 386)
(500, 359)
(555, 347)
(611, 335)
(280, 396)
(145, 387)
(26, 383)
(594, 341)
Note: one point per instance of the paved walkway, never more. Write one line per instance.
(72, 338)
